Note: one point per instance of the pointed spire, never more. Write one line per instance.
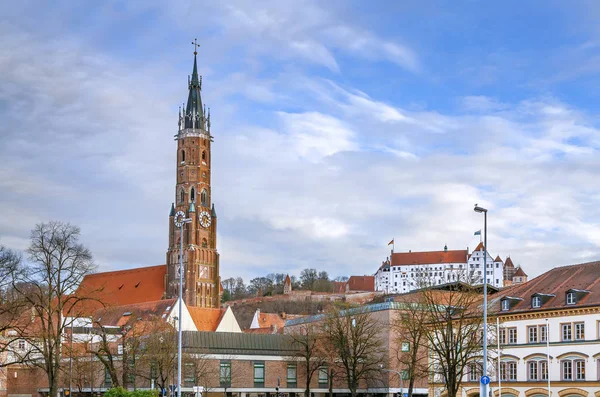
(213, 213)
(172, 213)
(194, 102)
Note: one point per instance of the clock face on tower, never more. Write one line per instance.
(204, 219)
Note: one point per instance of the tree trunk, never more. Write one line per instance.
(53, 386)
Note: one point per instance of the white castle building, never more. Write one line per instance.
(407, 271)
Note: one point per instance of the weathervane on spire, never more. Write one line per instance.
(196, 45)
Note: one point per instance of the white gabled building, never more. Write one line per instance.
(407, 271)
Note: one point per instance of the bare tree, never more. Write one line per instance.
(308, 279)
(47, 283)
(453, 332)
(157, 352)
(306, 339)
(354, 335)
(11, 304)
(409, 329)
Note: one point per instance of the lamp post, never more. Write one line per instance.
(399, 376)
(180, 220)
(483, 388)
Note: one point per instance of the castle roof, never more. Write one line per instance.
(429, 257)
(498, 259)
(509, 262)
(520, 273)
(361, 283)
(479, 247)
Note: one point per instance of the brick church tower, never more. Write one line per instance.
(193, 197)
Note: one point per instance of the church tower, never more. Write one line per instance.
(193, 196)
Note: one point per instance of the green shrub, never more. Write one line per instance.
(120, 392)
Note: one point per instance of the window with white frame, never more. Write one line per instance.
(508, 370)
(579, 331)
(543, 333)
(502, 335)
(532, 334)
(536, 301)
(473, 372)
(532, 370)
(566, 332)
(571, 298)
(579, 369)
(544, 370)
(505, 305)
(21, 344)
(512, 335)
(567, 370)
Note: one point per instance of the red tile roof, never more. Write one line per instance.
(287, 280)
(206, 319)
(361, 283)
(121, 315)
(498, 259)
(509, 262)
(266, 320)
(584, 276)
(479, 247)
(520, 273)
(429, 257)
(124, 287)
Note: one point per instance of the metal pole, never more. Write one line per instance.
(485, 387)
(180, 309)
(71, 360)
(499, 356)
(548, 353)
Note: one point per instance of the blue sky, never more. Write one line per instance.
(338, 125)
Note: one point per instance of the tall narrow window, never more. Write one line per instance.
(259, 374)
(183, 155)
(291, 375)
(532, 370)
(193, 194)
(512, 335)
(204, 198)
(533, 334)
(225, 374)
(512, 370)
(567, 370)
(579, 369)
(544, 370)
(579, 331)
(566, 332)
(543, 333)
(182, 196)
(203, 156)
(323, 377)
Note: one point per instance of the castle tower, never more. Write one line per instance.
(193, 197)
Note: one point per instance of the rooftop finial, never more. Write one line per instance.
(196, 45)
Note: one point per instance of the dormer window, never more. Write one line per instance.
(575, 295)
(536, 301)
(508, 302)
(539, 299)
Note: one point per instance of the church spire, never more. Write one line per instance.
(194, 115)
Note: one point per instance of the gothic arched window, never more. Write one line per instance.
(182, 196)
(192, 194)
(204, 198)
(203, 156)
(183, 155)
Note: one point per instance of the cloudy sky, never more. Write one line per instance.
(338, 126)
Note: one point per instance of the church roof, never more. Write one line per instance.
(429, 257)
(124, 287)
(194, 102)
(121, 315)
(288, 280)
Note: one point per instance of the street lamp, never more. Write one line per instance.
(180, 220)
(397, 373)
(483, 388)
